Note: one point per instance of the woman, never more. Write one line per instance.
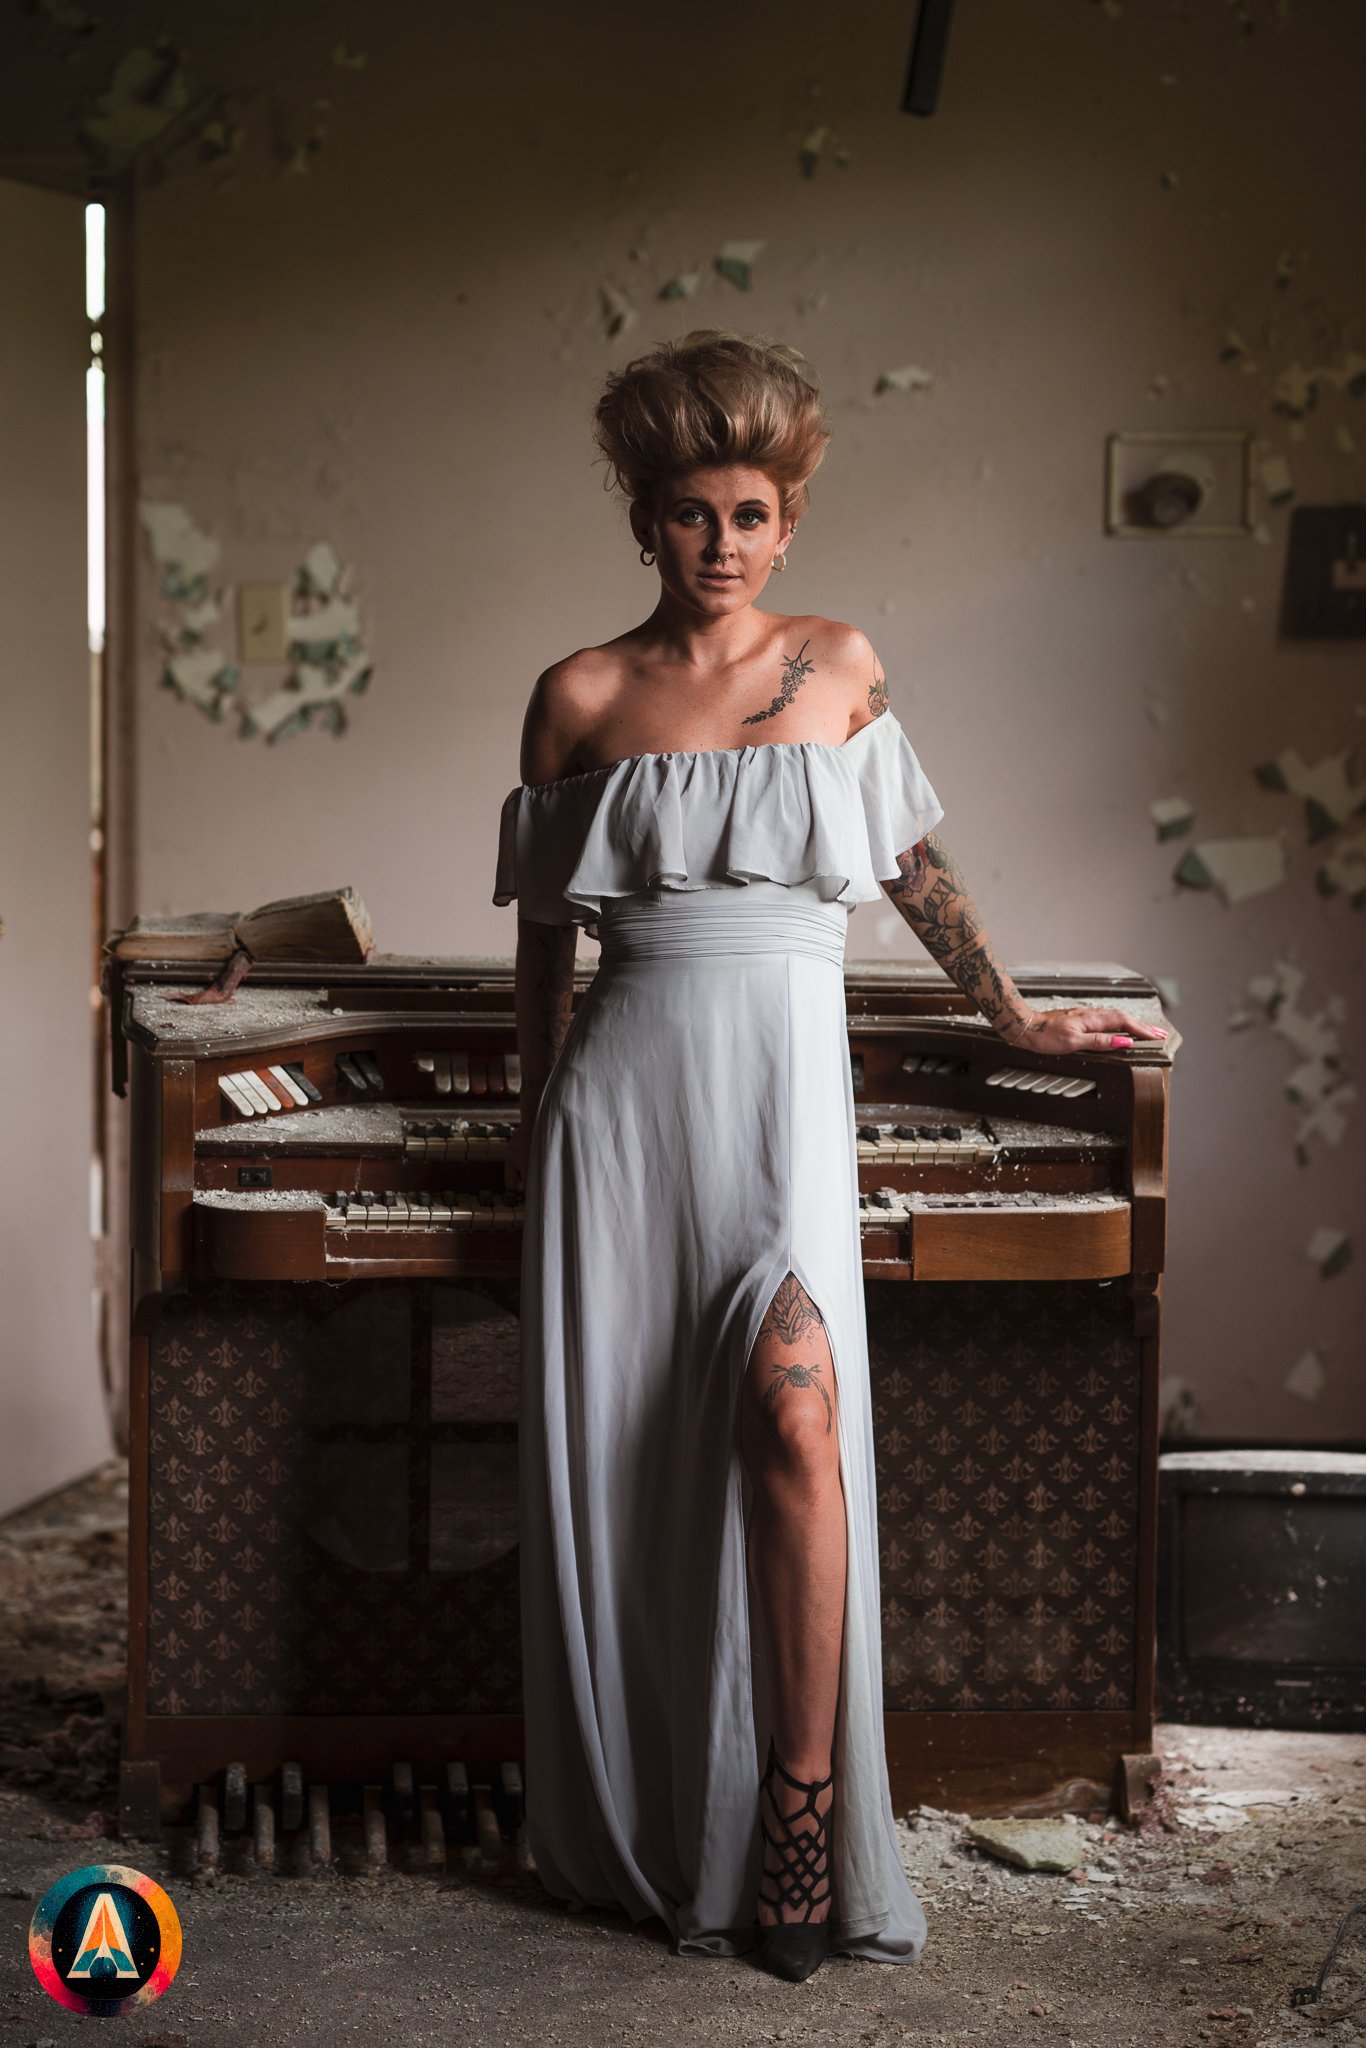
(712, 791)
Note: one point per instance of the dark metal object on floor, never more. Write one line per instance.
(1308, 1994)
(1261, 1559)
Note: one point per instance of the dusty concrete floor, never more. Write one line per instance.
(1192, 1931)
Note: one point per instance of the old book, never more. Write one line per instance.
(331, 925)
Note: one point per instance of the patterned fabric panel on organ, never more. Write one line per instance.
(1006, 1421)
(334, 1501)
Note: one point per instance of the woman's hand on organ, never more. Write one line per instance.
(933, 897)
(1076, 1030)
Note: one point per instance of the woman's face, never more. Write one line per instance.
(714, 533)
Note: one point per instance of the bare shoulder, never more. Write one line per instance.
(566, 700)
(851, 663)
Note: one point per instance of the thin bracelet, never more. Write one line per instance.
(1009, 1037)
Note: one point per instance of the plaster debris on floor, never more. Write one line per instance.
(1194, 1925)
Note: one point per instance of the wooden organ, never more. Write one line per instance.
(324, 1385)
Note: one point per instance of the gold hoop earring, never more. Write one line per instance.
(647, 558)
(779, 563)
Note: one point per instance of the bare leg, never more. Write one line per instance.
(797, 1556)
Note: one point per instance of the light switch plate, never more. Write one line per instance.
(263, 622)
(1219, 462)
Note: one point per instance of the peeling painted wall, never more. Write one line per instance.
(382, 275)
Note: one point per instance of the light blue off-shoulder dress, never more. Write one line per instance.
(695, 1144)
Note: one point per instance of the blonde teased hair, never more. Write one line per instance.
(712, 398)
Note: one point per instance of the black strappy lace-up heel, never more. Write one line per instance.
(795, 1949)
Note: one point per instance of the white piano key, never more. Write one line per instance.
(1075, 1088)
(512, 1068)
(290, 1086)
(441, 1070)
(460, 1072)
(911, 1064)
(1007, 1077)
(1055, 1084)
(425, 1062)
(257, 1090)
(237, 1095)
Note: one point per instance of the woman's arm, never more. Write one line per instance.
(933, 897)
(544, 997)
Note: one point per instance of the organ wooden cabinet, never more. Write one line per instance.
(325, 1386)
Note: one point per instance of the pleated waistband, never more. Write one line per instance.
(697, 923)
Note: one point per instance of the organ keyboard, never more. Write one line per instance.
(325, 1268)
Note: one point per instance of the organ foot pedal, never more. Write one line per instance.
(474, 1825)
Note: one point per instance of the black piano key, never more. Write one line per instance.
(928, 1131)
(868, 1133)
(903, 1130)
(953, 1130)
(371, 1069)
(294, 1068)
(389, 1199)
(349, 1071)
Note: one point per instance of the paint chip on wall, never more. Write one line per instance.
(1327, 787)
(910, 377)
(736, 261)
(185, 554)
(1237, 868)
(1277, 482)
(1306, 1376)
(1330, 1249)
(1172, 816)
(147, 92)
(321, 567)
(1344, 871)
(617, 311)
(682, 286)
(1178, 1407)
(202, 677)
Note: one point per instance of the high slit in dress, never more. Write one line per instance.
(695, 1144)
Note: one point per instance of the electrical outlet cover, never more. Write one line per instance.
(263, 621)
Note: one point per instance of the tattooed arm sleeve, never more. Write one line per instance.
(545, 988)
(933, 897)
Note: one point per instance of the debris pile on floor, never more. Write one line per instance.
(63, 1619)
(1195, 1926)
